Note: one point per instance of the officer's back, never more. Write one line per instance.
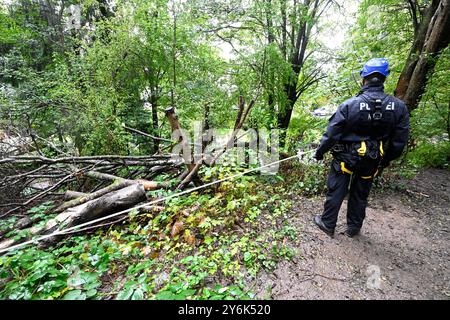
(365, 134)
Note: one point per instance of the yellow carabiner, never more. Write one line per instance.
(381, 149)
(363, 149)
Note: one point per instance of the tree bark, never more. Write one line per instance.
(70, 195)
(91, 196)
(155, 125)
(432, 36)
(284, 117)
(182, 139)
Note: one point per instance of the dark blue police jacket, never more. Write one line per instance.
(354, 121)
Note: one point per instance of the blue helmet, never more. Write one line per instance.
(379, 65)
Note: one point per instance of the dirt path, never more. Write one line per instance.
(402, 252)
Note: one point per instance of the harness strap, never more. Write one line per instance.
(371, 102)
(363, 149)
(370, 177)
(344, 169)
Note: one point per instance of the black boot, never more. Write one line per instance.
(351, 232)
(318, 221)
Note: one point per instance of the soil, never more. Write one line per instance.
(402, 251)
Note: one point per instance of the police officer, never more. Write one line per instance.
(364, 135)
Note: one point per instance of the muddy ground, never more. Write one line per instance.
(401, 253)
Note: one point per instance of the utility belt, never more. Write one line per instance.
(362, 158)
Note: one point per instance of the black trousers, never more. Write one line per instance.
(338, 187)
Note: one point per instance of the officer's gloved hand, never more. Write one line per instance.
(384, 164)
(379, 171)
(318, 156)
(381, 167)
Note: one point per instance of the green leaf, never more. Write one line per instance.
(187, 293)
(92, 285)
(133, 213)
(247, 256)
(74, 295)
(208, 240)
(138, 294)
(168, 295)
(75, 281)
(91, 293)
(125, 294)
(222, 290)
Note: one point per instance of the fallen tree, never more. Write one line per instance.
(243, 112)
(93, 186)
(108, 203)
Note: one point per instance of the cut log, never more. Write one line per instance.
(148, 185)
(92, 196)
(108, 177)
(109, 203)
(69, 195)
(119, 184)
(149, 160)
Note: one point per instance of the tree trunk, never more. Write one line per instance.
(91, 196)
(432, 36)
(284, 116)
(297, 60)
(155, 125)
(206, 127)
(119, 183)
(177, 131)
(107, 204)
(283, 29)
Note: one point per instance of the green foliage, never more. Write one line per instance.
(10, 31)
(84, 89)
(36, 273)
(208, 259)
(308, 177)
(304, 129)
(71, 271)
(430, 155)
(40, 210)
